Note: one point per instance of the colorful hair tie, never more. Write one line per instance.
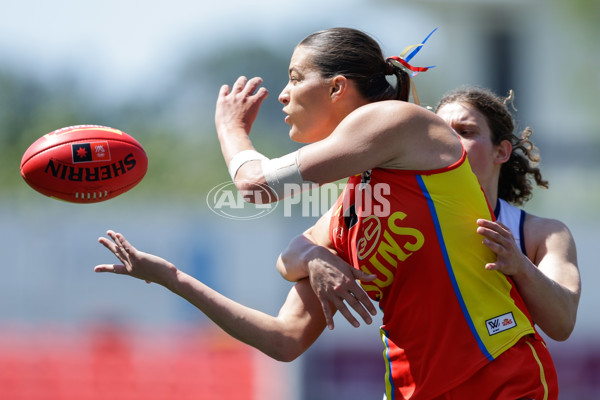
(399, 62)
(402, 60)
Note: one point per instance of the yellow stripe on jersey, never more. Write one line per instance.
(495, 320)
(542, 373)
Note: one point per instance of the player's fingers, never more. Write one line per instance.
(261, 94)
(252, 85)
(491, 266)
(121, 252)
(489, 225)
(496, 226)
(103, 268)
(115, 246)
(124, 249)
(502, 225)
(360, 294)
(114, 268)
(363, 276)
(502, 253)
(490, 234)
(111, 234)
(366, 302)
(328, 315)
(359, 308)
(493, 245)
(109, 244)
(223, 91)
(485, 222)
(341, 307)
(502, 228)
(124, 244)
(497, 241)
(239, 84)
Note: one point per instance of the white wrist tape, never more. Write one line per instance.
(241, 158)
(281, 171)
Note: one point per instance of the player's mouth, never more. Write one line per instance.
(287, 117)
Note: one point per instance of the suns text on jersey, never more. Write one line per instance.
(384, 248)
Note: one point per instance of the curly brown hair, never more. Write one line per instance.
(516, 175)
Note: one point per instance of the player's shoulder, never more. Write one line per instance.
(543, 227)
(396, 110)
(545, 236)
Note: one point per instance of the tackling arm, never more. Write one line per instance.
(332, 279)
(549, 283)
(552, 290)
(284, 337)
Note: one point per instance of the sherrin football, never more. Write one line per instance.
(84, 163)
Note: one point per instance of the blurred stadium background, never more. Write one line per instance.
(153, 69)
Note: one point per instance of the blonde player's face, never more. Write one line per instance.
(473, 129)
(307, 101)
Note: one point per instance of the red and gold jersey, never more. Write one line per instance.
(444, 315)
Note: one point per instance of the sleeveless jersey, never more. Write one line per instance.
(514, 219)
(444, 315)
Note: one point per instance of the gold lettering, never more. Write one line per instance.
(389, 275)
(389, 252)
(390, 246)
(369, 287)
(399, 230)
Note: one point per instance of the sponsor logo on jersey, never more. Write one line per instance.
(501, 323)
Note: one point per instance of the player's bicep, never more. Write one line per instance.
(556, 257)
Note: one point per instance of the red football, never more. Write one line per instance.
(84, 163)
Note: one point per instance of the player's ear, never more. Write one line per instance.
(338, 87)
(503, 152)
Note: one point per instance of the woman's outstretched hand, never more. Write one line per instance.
(135, 263)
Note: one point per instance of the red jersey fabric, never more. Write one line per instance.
(444, 316)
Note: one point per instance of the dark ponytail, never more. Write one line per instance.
(357, 56)
(402, 81)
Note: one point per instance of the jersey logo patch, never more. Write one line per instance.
(500, 323)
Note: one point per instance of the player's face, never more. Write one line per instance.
(306, 99)
(473, 129)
